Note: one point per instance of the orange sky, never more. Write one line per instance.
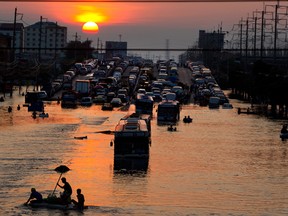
(140, 24)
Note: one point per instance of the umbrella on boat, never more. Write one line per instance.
(60, 169)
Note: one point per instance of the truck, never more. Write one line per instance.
(82, 87)
(69, 99)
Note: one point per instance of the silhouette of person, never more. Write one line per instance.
(66, 195)
(80, 197)
(35, 196)
(34, 114)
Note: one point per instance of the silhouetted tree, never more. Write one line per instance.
(78, 50)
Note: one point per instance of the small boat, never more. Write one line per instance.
(44, 115)
(187, 119)
(284, 136)
(171, 128)
(81, 137)
(59, 206)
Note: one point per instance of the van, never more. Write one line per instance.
(33, 97)
(214, 102)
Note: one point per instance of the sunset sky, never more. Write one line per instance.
(142, 25)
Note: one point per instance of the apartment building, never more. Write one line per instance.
(46, 40)
(9, 30)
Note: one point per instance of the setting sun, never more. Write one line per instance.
(90, 27)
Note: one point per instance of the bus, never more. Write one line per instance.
(144, 104)
(168, 111)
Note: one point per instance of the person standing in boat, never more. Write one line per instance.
(80, 203)
(35, 196)
(66, 195)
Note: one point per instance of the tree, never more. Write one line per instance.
(78, 50)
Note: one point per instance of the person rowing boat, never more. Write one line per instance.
(35, 197)
(66, 195)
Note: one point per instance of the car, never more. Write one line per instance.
(116, 102)
(71, 73)
(67, 86)
(110, 96)
(67, 78)
(100, 99)
(83, 71)
(56, 86)
(141, 91)
(122, 91)
(86, 101)
(123, 98)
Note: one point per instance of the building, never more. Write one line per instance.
(211, 40)
(116, 49)
(211, 44)
(45, 40)
(8, 30)
(5, 48)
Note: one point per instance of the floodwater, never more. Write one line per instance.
(221, 164)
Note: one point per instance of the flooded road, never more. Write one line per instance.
(221, 164)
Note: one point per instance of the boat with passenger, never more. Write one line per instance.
(54, 204)
(187, 119)
(132, 136)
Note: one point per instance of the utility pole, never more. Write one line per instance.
(40, 38)
(262, 35)
(75, 41)
(55, 42)
(246, 44)
(55, 47)
(275, 31)
(14, 35)
(167, 50)
(98, 41)
(255, 35)
(241, 31)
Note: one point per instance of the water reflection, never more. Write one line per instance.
(130, 165)
(230, 164)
